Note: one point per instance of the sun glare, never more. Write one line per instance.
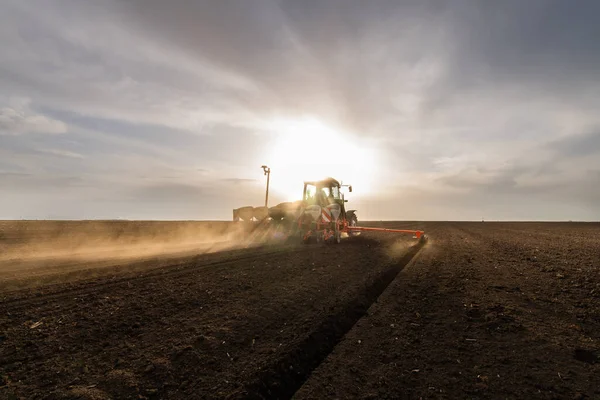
(307, 149)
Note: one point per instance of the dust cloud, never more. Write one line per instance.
(40, 248)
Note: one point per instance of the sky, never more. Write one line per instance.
(432, 110)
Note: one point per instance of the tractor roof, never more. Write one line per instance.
(327, 182)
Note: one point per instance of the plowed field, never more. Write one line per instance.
(482, 310)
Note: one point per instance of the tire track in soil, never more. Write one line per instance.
(280, 381)
(513, 352)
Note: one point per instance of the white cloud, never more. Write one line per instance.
(62, 153)
(452, 99)
(18, 118)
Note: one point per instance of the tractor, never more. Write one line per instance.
(325, 216)
(320, 216)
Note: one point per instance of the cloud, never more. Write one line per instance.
(169, 191)
(19, 119)
(173, 102)
(238, 180)
(54, 56)
(62, 153)
(11, 175)
(580, 145)
(48, 182)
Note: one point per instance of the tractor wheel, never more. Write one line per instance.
(353, 221)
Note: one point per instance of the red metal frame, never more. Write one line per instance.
(344, 227)
(418, 234)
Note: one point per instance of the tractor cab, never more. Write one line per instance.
(322, 193)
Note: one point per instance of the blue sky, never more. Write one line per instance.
(432, 109)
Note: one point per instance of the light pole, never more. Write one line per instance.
(267, 171)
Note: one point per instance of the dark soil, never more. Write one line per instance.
(484, 310)
(250, 323)
(488, 310)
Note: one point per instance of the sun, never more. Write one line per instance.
(307, 149)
